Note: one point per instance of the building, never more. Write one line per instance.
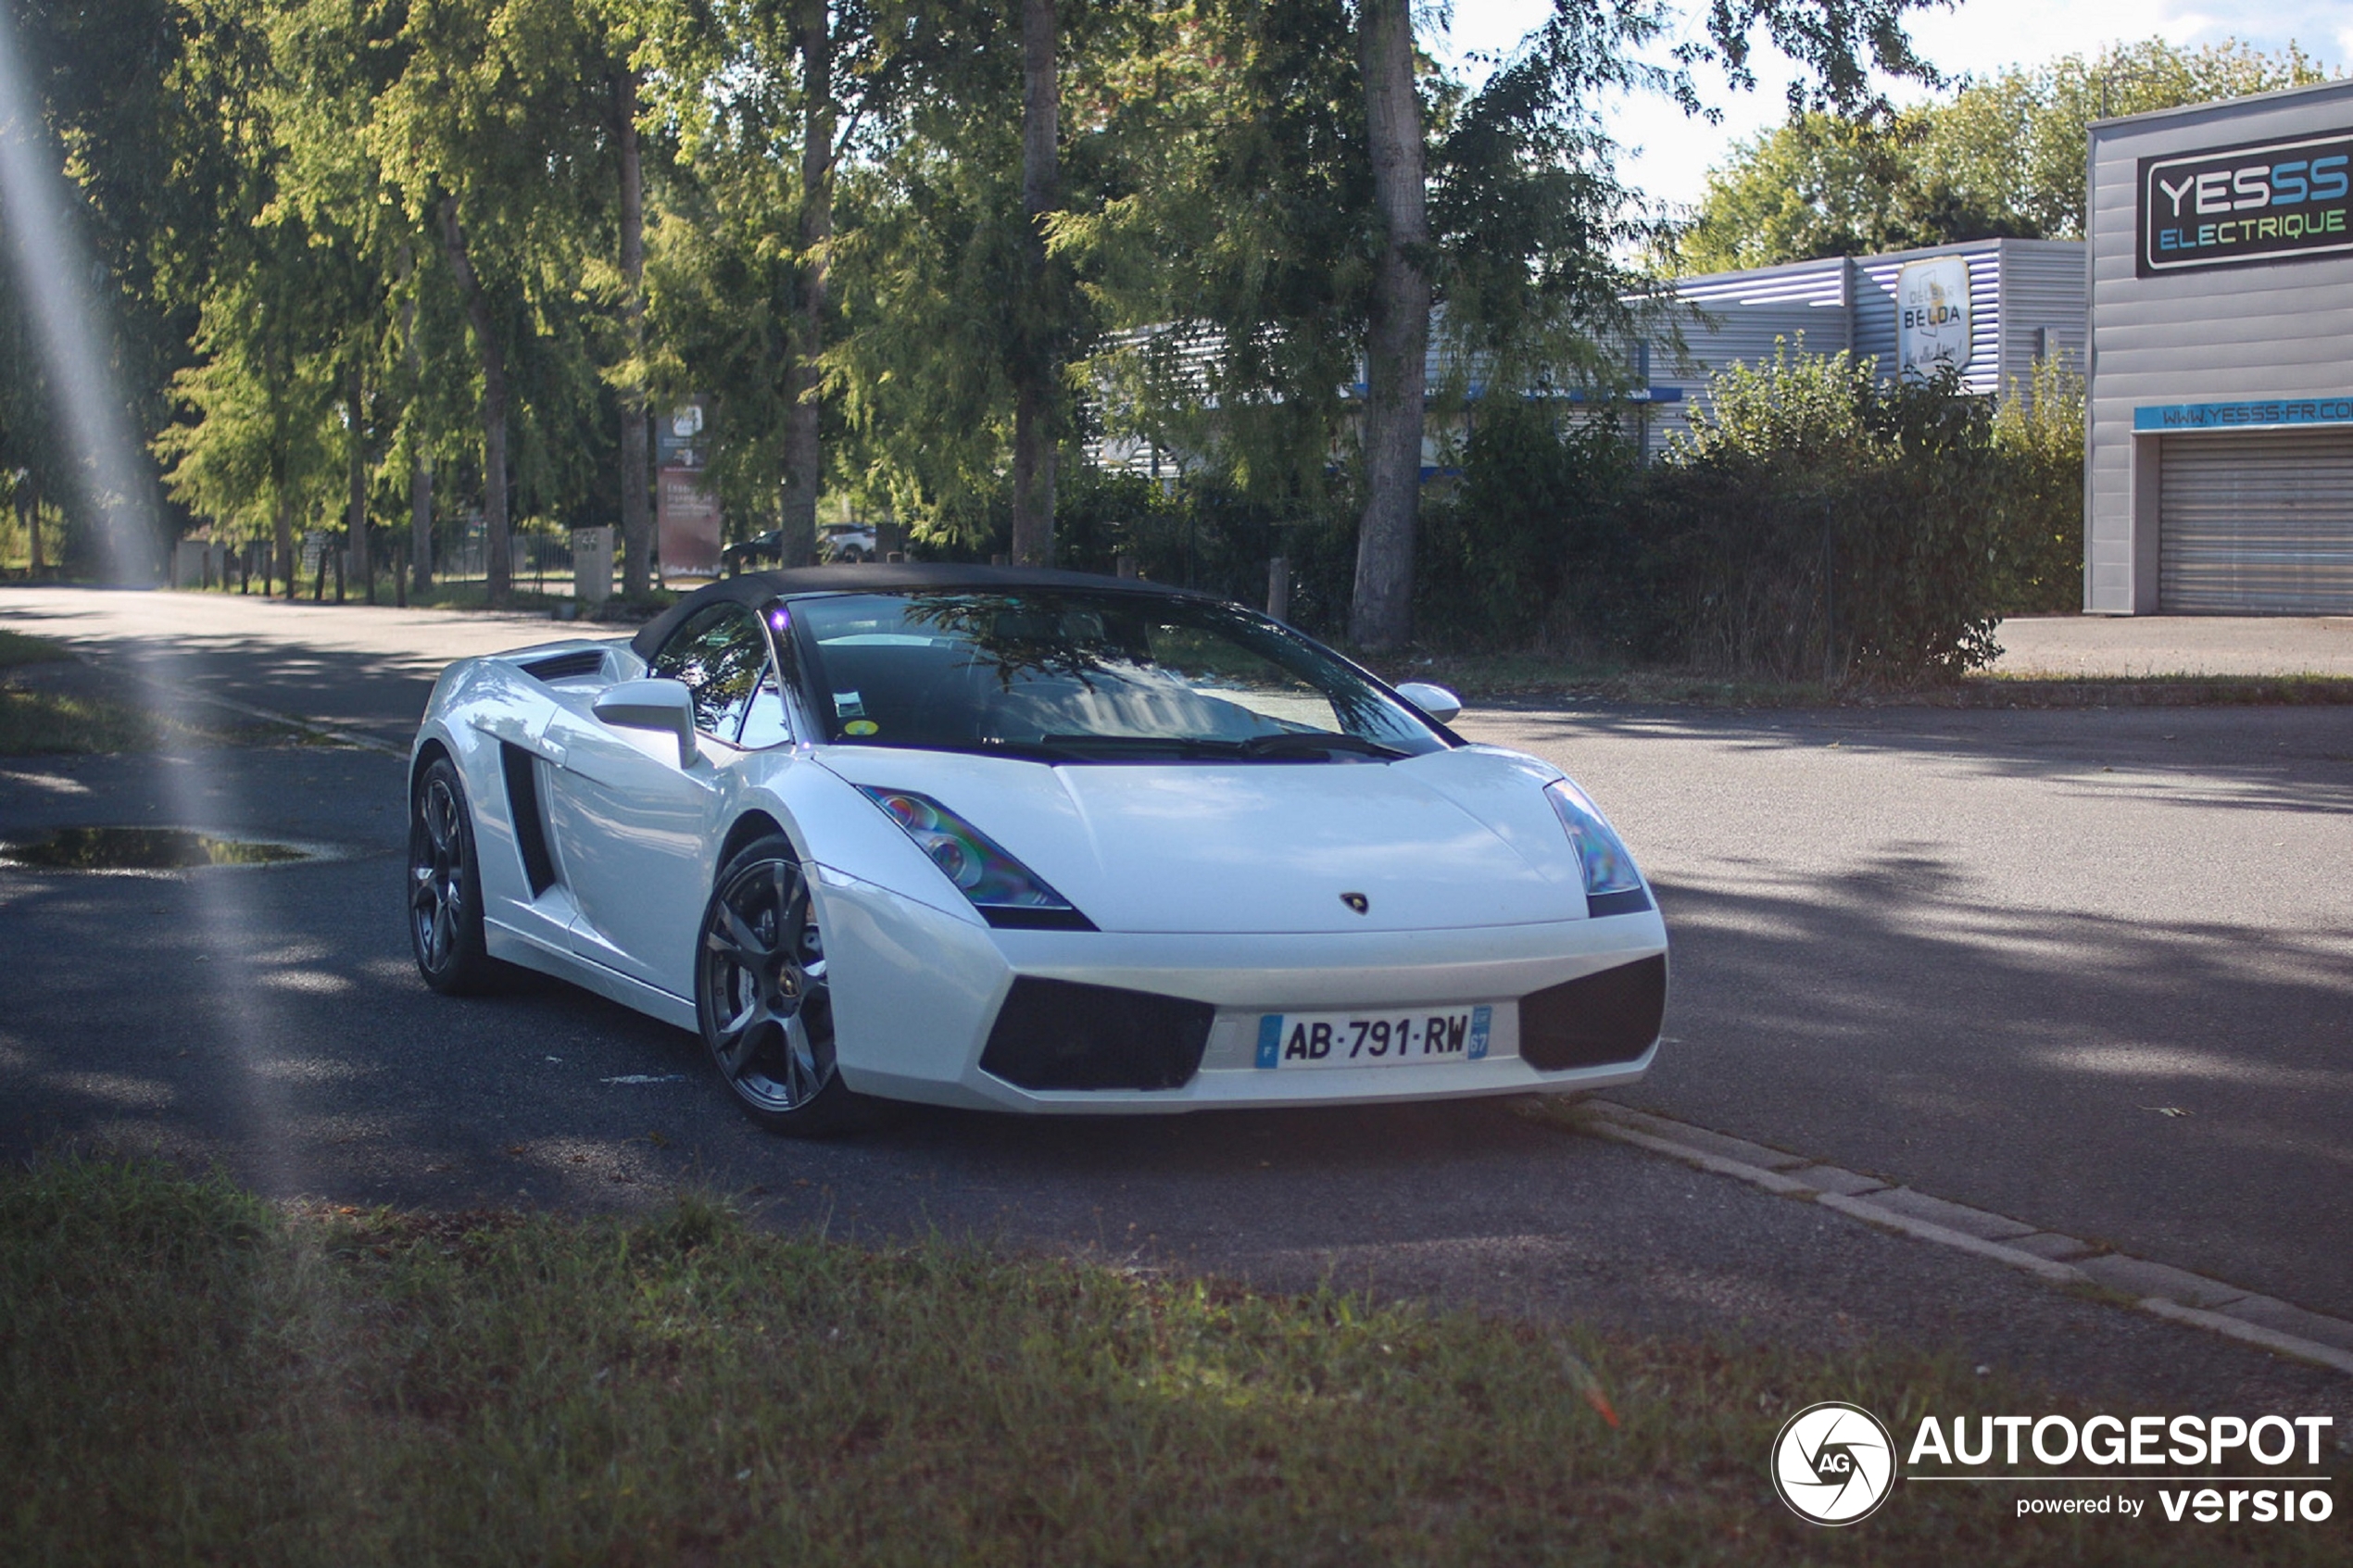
(1991, 307)
(2220, 472)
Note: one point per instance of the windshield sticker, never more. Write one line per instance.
(861, 727)
(849, 705)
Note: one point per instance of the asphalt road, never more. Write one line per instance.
(1948, 949)
(1983, 953)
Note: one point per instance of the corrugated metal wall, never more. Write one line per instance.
(1736, 318)
(2255, 522)
(2016, 287)
(2043, 286)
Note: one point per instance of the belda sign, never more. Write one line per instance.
(1932, 315)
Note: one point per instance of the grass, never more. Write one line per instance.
(38, 721)
(17, 648)
(190, 1374)
(35, 723)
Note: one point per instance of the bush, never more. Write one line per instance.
(1822, 521)
(1529, 549)
(2038, 438)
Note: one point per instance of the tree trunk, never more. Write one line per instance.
(497, 556)
(1037, 368)
(285, 540)
(356, 517)
(804, 437)
(33, 532)
(420, 465)
(637, 522)
(421, 523)
(1398, 334)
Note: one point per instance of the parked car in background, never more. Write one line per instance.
(760, 549)
(846, 543)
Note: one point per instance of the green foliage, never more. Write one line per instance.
(1529, 545)
(2038, 440)
(1821, 518)
(2003, 156)
(1818, 523)
(276, 189)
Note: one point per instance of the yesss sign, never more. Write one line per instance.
(2275, 201)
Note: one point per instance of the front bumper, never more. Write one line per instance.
(916, 989)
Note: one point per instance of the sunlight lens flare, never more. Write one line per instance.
(50, 267)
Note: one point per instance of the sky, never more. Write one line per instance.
(1668, 154)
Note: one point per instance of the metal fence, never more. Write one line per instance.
(539, 558)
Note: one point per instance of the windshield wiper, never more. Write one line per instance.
(1181, 745)
(1298, 743)
(1018, 751)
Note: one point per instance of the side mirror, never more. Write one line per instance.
(1435, 701)
(664, 705)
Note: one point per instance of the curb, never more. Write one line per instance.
(1853, 1195)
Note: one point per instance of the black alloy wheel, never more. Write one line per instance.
(762, 997)
(445, 885)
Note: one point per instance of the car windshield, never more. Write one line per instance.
(1060, 675)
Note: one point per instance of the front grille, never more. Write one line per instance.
(1060, 1035)
(1601, 1019)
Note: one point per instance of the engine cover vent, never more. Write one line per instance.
(567, 666)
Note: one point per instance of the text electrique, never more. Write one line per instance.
(2245, 230)
(2108, 1439)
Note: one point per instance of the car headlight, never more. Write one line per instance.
(1001, 888)
(1608, 866)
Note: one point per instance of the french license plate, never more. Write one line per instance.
(1391, 1039)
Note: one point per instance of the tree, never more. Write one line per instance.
(133, 93)
(1585, 43)
(2004, 155)
(496, 136)
(1037, 368)
(1397, 331)
(636, 527)
(958, 311)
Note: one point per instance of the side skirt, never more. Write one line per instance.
(514, 948)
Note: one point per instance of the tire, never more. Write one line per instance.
(445, 886)
(762, 999)
(852, 556)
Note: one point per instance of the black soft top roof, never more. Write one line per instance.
(756, 588)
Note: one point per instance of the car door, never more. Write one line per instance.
(634, 827)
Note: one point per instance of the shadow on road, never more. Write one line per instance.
(2292, 760)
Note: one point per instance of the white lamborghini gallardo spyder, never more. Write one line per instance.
(1025, 840)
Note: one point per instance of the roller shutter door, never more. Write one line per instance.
(2255, 522)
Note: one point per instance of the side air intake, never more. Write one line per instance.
(1600, 1021)
(522, 809)
(1060, 1035)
